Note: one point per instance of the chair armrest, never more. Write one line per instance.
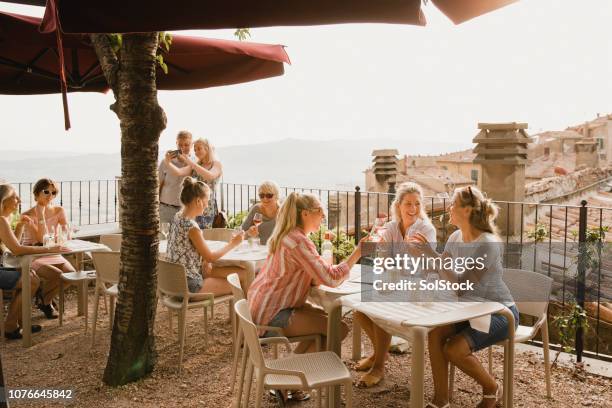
(274, 340)
(293, 373)
(276, 330)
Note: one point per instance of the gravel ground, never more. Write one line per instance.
(63, 357)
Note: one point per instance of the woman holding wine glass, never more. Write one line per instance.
(47, 221)
(409, 218)
(261, 218)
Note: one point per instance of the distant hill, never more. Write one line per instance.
(289, 162)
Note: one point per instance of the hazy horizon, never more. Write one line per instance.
(542, 62)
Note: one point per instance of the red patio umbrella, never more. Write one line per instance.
(29, 61)
(116, 16)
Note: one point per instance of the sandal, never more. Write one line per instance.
(491, 396)
(370, 379)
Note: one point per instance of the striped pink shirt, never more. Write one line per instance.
(287, 275)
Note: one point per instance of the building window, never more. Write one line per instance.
(474, 175)
(444, 168)
(600, 143)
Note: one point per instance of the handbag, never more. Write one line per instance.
(220, 220)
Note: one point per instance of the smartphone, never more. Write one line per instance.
(175, 153)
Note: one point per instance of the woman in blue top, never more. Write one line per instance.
(474, 215)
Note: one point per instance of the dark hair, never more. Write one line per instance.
(43, 184)
(192, 189)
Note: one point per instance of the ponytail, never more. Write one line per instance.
(484, 211)
(290, 216)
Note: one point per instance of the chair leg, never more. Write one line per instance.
(206, 327)
(275, 351)
(319, 392)
(505, 382)
(318, 343)
(95, 316)
(61, 303)
(356, 340)
(170, 320)
(451, 382)
(348, 390)
(546, 356)
(231, 311)
(85, 308)
(243, 363)
(212, 312)
(181, 318)
(112, 302)
(105, 305)
(237, 344)
(249, 379)
(1, 315)
(259, 390)
(491, 360)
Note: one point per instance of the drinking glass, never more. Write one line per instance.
(378, 229)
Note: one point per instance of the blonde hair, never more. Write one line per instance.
(484, 211)
(184, 134)
(290, 216)
(192, 189)
(210, 150)
(403, 189)
(270, 187)
(5, 191)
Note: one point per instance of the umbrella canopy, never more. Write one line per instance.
(120, 16)
(29, 61)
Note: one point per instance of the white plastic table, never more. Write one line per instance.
(248, 257)
(409, 320)
(77, 247)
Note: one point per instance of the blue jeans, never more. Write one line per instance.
(498, 331)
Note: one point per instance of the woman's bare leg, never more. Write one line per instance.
(437, 339)
(52, 277)
(368, 327)
(13, 316)
(310, 320)
(458, 351)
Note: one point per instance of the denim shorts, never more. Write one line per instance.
(280, 320)
(195, 284)
(498, 331)
(9, 278)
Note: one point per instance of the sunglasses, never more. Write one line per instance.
(47, 192)
(266, 195)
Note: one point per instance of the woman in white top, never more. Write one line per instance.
(476, 238)
(409, 218)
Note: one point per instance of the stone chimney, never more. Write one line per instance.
(386, 168)
(501, 150)
(586, 153)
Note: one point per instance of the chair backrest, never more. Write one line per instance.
(171, 279)
(113, 241)
(530, 290)
(107, 266)
(234, 280)
(250, 333)
(218, 234)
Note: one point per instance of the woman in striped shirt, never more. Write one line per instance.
(278, 295)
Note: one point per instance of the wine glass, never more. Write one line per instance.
(165, 229)
(257, 219)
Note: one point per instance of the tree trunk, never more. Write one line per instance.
(131, 74)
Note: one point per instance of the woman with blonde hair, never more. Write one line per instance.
(267, 209)
(46, 217)
(186, 244)
(409, 219)
(10, 277)
(206, 169)
(474, 215)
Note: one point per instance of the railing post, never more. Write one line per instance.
(582, 230)
(222, 198)
(357, 214)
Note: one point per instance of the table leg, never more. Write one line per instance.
(80, 306)
(84, 286)
(508, 395)
(417, 399)
(334, 343)
(26, 301)
(249, 275)
(356, 340)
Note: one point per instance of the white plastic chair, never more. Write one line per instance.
(238, 293)
(531, 287)
(311, 371)
(107, 279)
(1, 315)
(113, 241)
(175, 295)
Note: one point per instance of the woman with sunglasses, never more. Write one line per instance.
(277, 296)
(267, 209)
(46, 218)
(474, 215)
(10, 276)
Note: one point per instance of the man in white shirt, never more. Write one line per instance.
(169, 184)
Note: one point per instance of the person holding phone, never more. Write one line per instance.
(267, 208)
(10, 276)
(169, 183)
(409, 219)
(186, 244)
